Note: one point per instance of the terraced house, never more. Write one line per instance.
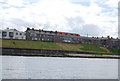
(55, 36)
(51, 36)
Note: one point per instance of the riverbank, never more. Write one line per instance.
(94, 56)
(68, 55)
(28, 44)
(55, 53)
(52, 49)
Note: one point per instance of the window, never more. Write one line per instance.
(4, 34)
(36, 39)
(38, 35)
(75, 39)
(32, 34)
(20, 33)
(43, 35)
(67, 38)
(16, 33)
(50, 35)
(32, 38)
(11, 34)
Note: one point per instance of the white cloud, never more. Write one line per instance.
(112, 3)
(61, 15)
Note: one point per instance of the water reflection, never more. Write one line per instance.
(58, 68)
(13, 67)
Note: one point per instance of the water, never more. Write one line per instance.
(18, 67)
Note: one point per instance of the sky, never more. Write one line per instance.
(85, 17)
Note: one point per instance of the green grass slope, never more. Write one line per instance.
(52, 46)
(115, 51)
(90, 47)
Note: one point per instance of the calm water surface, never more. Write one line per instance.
(19, 67)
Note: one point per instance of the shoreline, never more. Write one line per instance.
(55, 53)
(68, 56)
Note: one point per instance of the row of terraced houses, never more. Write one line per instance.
(55, 36)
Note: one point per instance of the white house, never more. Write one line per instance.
(12, 34)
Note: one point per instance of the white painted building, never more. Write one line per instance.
(12, 34)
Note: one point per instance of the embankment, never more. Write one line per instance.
(55, 53)
(28, 44)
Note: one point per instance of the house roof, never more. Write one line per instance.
(68, 33)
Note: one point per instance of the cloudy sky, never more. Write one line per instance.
(92, 17)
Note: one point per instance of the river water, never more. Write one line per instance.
(19, 67)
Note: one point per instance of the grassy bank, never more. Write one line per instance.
(52, 46)
(113, 50)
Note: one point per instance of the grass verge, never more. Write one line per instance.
(52, 46)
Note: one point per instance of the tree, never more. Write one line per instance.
(28, 28)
